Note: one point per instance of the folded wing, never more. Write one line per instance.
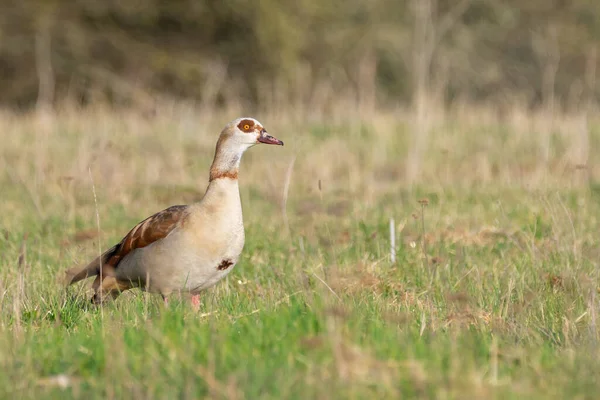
(150, 230)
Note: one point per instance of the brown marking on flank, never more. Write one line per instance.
(226, 263)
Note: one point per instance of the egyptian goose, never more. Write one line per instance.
(186, 248)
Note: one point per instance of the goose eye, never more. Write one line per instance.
(246, 127)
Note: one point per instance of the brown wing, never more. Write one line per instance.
(146, 232)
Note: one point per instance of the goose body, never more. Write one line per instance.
(184, 248)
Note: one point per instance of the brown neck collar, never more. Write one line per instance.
(216, 173)
(226, 162)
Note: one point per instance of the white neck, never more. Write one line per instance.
(227, 159)
(223, 183)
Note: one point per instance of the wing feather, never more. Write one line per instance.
(148, 231)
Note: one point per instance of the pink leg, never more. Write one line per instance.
(166, 301)
(196, 302)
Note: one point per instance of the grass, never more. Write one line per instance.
(494, 292)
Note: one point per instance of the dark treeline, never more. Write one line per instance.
(380, 51)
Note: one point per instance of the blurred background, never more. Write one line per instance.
(443, 91)
(372, 54)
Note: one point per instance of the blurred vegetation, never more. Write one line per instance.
(219, 51)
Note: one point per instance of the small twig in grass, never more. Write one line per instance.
(392, 241)
(328, 287)
(494, 361)
(22, 264)
(571, 224)
(3, 292)
(463, 277)
(22, 261)
(99, 244)
(424, 202)
(592, 310)
(286, 188)
(423, 324)
(582, 316)
(207, 314)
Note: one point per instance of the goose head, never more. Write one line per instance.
(237, 137)
(246, 132)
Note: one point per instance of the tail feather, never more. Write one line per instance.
(79, 273)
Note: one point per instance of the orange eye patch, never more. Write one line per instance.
(246, 125)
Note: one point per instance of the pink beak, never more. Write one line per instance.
(268, 139)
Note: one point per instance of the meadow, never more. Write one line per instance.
(493, 292)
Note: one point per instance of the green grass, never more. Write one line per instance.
(497, 297)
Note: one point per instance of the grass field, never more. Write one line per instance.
(494, 291)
